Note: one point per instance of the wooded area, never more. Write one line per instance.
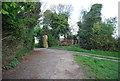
(94, 33)
(22, 21)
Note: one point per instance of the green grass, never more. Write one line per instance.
(95, 68)
(98, 68)
(78, 49)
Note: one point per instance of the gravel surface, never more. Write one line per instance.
(42, 63)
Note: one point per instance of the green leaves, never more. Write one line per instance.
(14, 62)
(6, 6)
(57, 22)
(13, 4)
(94, 33)
(85, 26)
(19, 20)
(2, 11)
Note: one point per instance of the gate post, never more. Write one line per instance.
(45, 41)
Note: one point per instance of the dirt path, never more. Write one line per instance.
(46, 64)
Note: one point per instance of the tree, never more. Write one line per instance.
(62, 9)
(60, 25)
(55, 24)
(102, 33)
(94, 33)
(18, 22)
(86, 25)
(47, 20)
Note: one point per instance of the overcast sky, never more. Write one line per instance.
(110, 8)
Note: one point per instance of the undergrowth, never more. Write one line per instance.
(15, 61)
(12, 64)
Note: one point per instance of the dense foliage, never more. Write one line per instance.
(54, 25)
(18, 21)
(94, 33)
(39, 34)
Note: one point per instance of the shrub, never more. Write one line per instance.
(52, 41)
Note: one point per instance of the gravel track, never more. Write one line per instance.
(42, 63)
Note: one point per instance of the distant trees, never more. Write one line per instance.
(55, 24)
(59, 24)
(95, 34)
(63, 12)
(38, 32)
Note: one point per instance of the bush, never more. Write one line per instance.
(52, 41)
(17, 30)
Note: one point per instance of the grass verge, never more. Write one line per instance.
(78, 49)
(98, 68)
(15, 61)
(12, 64)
